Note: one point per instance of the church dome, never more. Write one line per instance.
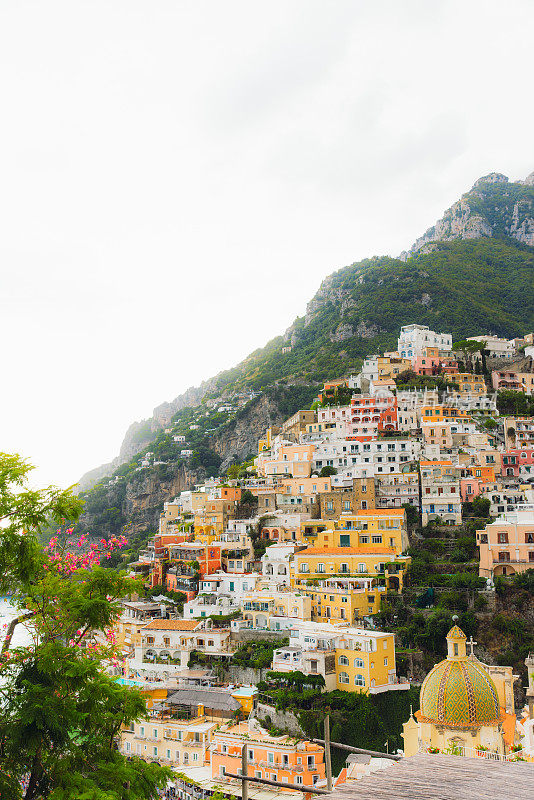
(458, 692)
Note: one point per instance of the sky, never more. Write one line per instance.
(177, 177)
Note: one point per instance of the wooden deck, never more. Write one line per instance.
(439, 777)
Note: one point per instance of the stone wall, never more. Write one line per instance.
(250, 635)
(285, 720)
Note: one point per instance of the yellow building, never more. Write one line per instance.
(212, 520)
(365, 662)
(391, 367)
(469, 383)
(310, 529)
(439, 413)
(466, 706)
(170, 741)
(339, 600)
(380, 526)
(349, 658)
(266, 442)
(368, 560)
(260, 609)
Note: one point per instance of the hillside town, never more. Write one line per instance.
(298, 552)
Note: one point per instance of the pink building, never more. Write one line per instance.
(507, 545)
(373, 414)
(469, 489)
(525, 460)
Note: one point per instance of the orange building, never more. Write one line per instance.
(276, 758)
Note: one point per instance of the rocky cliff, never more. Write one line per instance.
(133, 504)
(494, 207)
(239, 440)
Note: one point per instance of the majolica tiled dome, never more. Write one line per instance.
(458, 692)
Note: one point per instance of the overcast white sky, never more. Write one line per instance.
(176, 179)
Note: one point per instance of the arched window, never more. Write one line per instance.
(343, 677)
(343, 660)
(358, 662)
(359, 680)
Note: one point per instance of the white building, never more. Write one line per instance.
(275, 563)
(235, 584)
(440, 492)
(495, 346)
(209, 605)
(414, 339)
(374, 459)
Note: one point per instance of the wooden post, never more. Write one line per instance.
(244, 772)
(327, 756)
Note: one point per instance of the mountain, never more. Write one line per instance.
(493, 208)
(473, 272)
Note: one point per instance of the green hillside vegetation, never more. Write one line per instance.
(496, 204)
(462, 287)
(485, 285)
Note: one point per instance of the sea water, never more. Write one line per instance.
(7, 614)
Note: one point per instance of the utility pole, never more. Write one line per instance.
(327, 755)
(244, 772)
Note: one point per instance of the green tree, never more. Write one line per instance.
(481, 507)
(61, 711)
(412, 513)
(326, 472)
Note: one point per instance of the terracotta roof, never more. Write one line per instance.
(427, 776)
(346, 551)
(172, 625)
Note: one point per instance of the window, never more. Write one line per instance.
(271, 758)
(250, 755)
(362, 568)
(529, 538)
(359, 680)
(358, 662)
(155, 751)
(304, 568)
(344, 540)
(377, 539)
(385, 662)
(330, 505)
(343, 661)
(169, 754)
(320, 568)
(298, 779)
(344, 568)
(155, 733)
(343, 677)
(502, 538)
